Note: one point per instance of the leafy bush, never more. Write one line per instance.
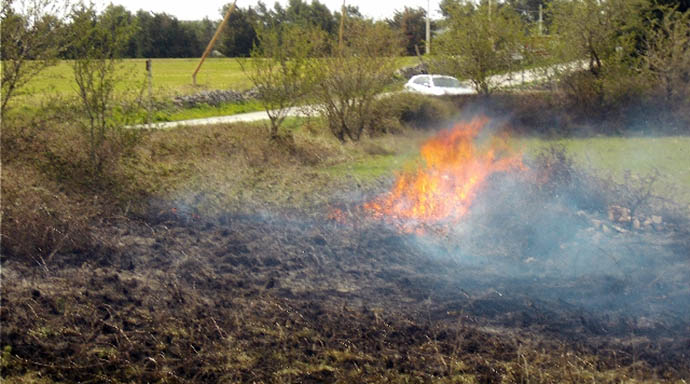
(29, 43)
(412, 110)
(278, 70)
(96, 44)
(348, 82)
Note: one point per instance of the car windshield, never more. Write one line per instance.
(447, 82)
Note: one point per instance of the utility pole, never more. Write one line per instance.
(490, 6)
(428, 27)
(541, 20)
(213, 41)
(343, 13)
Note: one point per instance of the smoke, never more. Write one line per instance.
(547, 234)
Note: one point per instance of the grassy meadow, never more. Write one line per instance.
(613, 157)
(170, 76)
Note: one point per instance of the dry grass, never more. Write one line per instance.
(237, 167)
(39, 220)
(50, 197)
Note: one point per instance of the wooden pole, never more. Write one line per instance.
(213, 40)
(490, 11)
(342, 27)
(428, 27)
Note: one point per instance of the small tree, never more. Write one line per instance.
(29, 42)
(96, 46)
(604, 36)
(480, 41)
(410, 24)
(278, 68)
(667, 56)
(348, 82)
(602, 32)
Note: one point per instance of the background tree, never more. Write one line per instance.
(315, 14)
(348, 82)
(410, 25)
(529, 9)
(239, 35)
(605, 37)
(480, 42)
(598, 31)
(158, 35)
(279, 68)
(30, 42)
(114, 16)
(203, 31)
(667, 53)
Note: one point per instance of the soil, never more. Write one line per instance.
(297, 297)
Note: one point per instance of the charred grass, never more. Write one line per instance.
(209, 254)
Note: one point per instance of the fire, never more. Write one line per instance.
(454, 169)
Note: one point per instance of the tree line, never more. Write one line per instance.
(160, 35)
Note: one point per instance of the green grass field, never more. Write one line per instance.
(641, 156)
(170, 76)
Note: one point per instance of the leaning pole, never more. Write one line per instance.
(213, 41)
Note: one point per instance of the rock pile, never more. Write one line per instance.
(214, 98)
(620, 219)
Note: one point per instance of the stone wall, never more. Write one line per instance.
(214, 98)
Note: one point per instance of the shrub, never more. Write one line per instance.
(348, 82)
(278, 68)
(96, 44)
(413, 110)
(29, 43)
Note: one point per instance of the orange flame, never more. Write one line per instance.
(445, 185)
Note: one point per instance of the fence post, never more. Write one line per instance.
(149, 74)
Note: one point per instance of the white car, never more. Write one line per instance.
(438, 85)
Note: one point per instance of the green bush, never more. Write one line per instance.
(411, 110)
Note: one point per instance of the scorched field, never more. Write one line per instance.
(471, 263)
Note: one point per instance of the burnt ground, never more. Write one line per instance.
(540, 297)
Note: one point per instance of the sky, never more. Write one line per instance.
(198, 9)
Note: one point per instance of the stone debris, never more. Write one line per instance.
(619, 214)
(215, 98)
(621, 220)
